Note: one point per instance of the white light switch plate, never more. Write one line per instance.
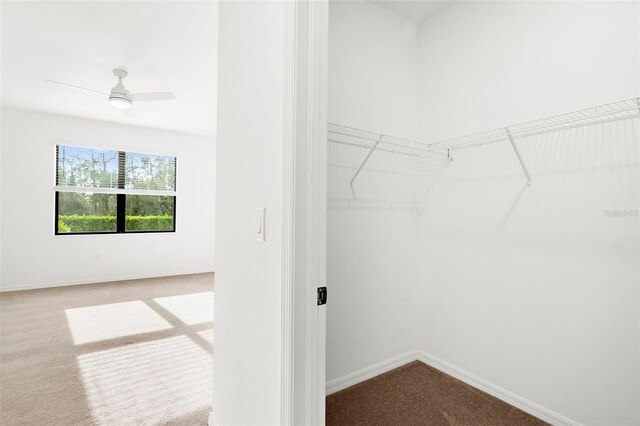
(260, 229)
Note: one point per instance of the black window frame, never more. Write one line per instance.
(121, 203)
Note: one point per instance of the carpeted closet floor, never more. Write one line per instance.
(416, 394)
(124, 353)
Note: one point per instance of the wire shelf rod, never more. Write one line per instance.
(615, 111)
(354, 132)
(586, 112)
(391, 151)
(542, 127)
(540, 132)
(425, 149)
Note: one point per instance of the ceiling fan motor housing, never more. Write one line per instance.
(119, 96)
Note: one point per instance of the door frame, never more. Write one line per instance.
(303, 380)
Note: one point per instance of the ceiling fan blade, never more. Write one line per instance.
(152, 96)
(77, 87)
(128, 112)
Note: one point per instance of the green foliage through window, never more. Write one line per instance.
(77, 223)
(82, 223)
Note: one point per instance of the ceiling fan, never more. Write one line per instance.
(119, 97)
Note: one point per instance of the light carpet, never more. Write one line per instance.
(125, 353)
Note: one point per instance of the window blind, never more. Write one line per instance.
(93, 170)
(86, 168)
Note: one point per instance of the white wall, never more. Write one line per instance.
(33, 257)
(373, 69)
(248, 340)
(490, 64)
(535, 289)
(373, 85)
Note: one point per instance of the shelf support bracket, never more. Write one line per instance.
(515, 149)
(366, 158)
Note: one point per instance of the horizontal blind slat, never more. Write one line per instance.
(91, 190)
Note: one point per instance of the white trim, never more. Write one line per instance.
(510, 398)
(114, 234)
(288, 214)
(83, 281)
(305, 104)
(317, 21)
(96, 190)
(369, 372)
(212, 420)
(104, 146)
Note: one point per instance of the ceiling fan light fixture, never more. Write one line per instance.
(120, 102)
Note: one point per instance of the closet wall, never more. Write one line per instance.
(373, 84)
(533, 289)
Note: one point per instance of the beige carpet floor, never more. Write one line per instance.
(124, 353)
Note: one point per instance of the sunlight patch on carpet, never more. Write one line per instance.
(94, 323)
(195, 308)
(155, 381)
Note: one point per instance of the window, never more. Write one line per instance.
(105, 192)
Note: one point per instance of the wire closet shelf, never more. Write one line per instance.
(620, 110)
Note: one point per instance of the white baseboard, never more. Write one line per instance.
(212, 420)
(50, 284)
(369, 372)
(496, 391)
(510, 398)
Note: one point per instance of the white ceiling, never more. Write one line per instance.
(418, 10)
(165, 46)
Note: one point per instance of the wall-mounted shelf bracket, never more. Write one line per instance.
(449, 156)
(515, 149)
(366, 158)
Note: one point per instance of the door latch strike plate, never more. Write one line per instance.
(322, 296)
